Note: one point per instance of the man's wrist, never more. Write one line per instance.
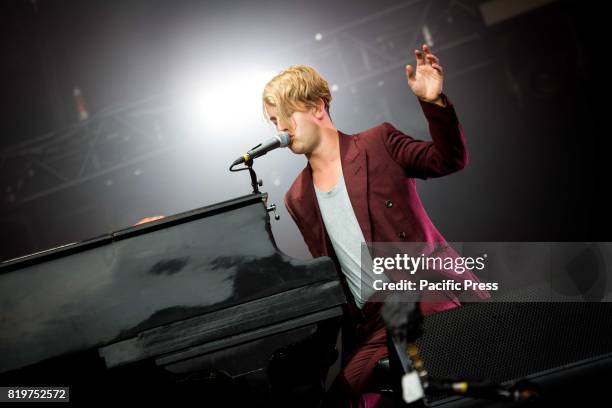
(439, 112)
(440, 101)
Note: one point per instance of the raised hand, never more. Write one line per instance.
(426, 80)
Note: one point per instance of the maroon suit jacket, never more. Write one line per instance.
(379, 167)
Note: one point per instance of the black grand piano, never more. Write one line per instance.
(202, 307)
(199, 306)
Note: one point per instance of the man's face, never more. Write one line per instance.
(304, 135)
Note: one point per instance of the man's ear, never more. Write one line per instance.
(319, 111)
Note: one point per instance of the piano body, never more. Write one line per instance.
(199, 305)
(202, 307)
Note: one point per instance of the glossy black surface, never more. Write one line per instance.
(165, 287)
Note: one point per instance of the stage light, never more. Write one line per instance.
(229, 102)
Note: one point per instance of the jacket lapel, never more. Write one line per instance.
(315, 218)
(355, 171)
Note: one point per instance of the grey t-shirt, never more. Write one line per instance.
(346, 238)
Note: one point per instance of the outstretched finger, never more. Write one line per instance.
(420, 57)
(432, 59)
(410, 71)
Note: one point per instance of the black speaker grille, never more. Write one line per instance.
(507, 341)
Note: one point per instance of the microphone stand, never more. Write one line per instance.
(255, 182)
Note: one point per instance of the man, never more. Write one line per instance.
(361, 188)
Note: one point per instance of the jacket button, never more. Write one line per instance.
(389, 203)
(402, 235)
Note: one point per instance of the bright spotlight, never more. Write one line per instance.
(231, 101)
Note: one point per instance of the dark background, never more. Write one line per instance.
(529, 91)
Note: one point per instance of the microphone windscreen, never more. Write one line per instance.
(284, 139)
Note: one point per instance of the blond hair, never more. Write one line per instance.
(297, 88)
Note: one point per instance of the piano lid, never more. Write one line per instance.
(101, 291)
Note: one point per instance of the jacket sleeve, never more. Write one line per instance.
(446, 153)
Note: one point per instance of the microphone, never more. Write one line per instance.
(280, 140)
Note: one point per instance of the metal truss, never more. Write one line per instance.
(118, 137)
